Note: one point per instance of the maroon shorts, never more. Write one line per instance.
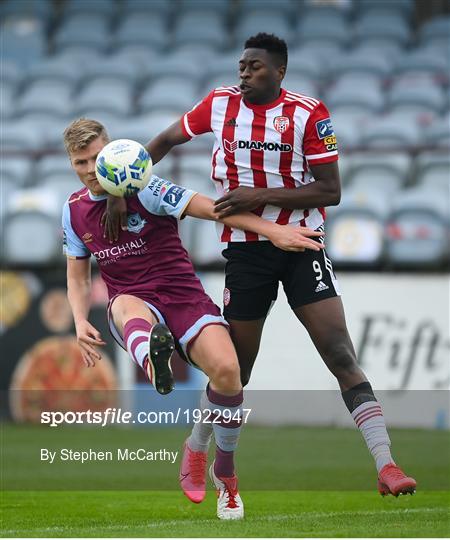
(186, 317)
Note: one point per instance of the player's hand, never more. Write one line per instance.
(88, 339)
(115, 218)
(241, 199)
(290, 238)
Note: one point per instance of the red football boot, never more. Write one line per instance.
(193, 474)
(393, 481)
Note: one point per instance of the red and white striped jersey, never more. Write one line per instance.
(267, 146)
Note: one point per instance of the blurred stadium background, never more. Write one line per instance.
(382, 68)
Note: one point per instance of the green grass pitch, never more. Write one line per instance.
(323, 484)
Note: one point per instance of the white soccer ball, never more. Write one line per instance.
(123, 168)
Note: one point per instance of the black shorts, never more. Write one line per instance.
(254, 269)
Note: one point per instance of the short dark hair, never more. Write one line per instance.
(271, 43)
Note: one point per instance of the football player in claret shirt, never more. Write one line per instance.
(152, 288)
(275, 154)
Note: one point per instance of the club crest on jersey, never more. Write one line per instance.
(135, 223)
(281, 123)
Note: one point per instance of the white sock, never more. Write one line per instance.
(370, 420)
(200, 437)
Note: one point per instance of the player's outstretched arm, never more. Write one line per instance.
(165, 141)
(79, 295)
(325, 191)
(283, 236)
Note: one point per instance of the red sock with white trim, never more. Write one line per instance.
(135, 335)
(368, 416)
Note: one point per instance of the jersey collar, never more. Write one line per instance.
(266, 106)
(96, 197)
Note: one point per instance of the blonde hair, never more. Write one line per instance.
(81, 133)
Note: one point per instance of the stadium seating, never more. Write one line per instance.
(53, 165)
(139, 54)
(358, 62)
(46, 97)
(438, 133)
(389, 132)
(105, 94)
(301, 85)
(144, 29)
(115, 70)
(32, 9)
(393, 163)
(209, 29)
(433, 169)
(383, 26)
(404, 8)
(423, 60)
(368, 99)
(304, 64)
(355, 229)
(62, 186)
(137, 65)
(286, 7)
(17, 136)
(56, 68)
(417, 99)
(89, 30)
(435, 28)
(105, 8)
(23, 40)
(7, 101)
(271, 21)
(418, 229)
(165, 94)
(155, 7)
(317, 27)
(219, 6)
(30, 222)
(16, 171)
(29, 238)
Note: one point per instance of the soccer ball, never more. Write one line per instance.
(123, 168)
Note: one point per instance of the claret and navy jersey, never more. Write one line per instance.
(147, 261)
(149, 254)
(264, 146)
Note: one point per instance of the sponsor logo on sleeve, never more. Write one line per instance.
(324, 128)
(330, 143)
(87, 237)
(157, 185)
(173, 196)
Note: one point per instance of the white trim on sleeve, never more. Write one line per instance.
(319, 156)
(186, 126)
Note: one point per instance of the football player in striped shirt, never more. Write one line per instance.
(275, 154)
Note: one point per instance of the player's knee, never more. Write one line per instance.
(342, 360)
(225, 374)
